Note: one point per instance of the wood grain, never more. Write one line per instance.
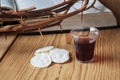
(5, 43)
(16, 64)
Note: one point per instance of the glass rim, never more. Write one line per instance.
(84, 29)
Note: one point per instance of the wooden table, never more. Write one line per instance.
(16, 52)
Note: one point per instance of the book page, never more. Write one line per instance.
(7, 4)
(58, 1)
(39, 4)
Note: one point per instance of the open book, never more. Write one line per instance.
(24, 4)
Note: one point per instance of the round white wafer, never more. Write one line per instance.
(59, 55)
(41, 60)
(44, 49)
(41, 53)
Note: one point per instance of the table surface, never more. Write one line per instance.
(16, 52)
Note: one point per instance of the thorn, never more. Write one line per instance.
(97, 9)
(60, 27)
(40, 32)
(54, 14)
(21, 20)
(81, 16)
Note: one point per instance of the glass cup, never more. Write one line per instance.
(84, 40)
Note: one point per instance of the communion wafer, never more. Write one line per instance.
(41, 53)
(44, 49)
(41, 60)
(59, 55)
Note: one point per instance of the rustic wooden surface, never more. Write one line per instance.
(5, 43)
(16, 63)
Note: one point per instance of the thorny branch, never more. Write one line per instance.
(55, 14)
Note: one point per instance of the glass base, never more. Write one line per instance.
(87, 61)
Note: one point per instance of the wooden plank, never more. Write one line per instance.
(5, 43)
(16, 64)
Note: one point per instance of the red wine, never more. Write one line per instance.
(84, 49)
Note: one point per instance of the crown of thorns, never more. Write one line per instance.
(46, 17)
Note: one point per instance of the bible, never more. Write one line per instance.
(26, 4)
